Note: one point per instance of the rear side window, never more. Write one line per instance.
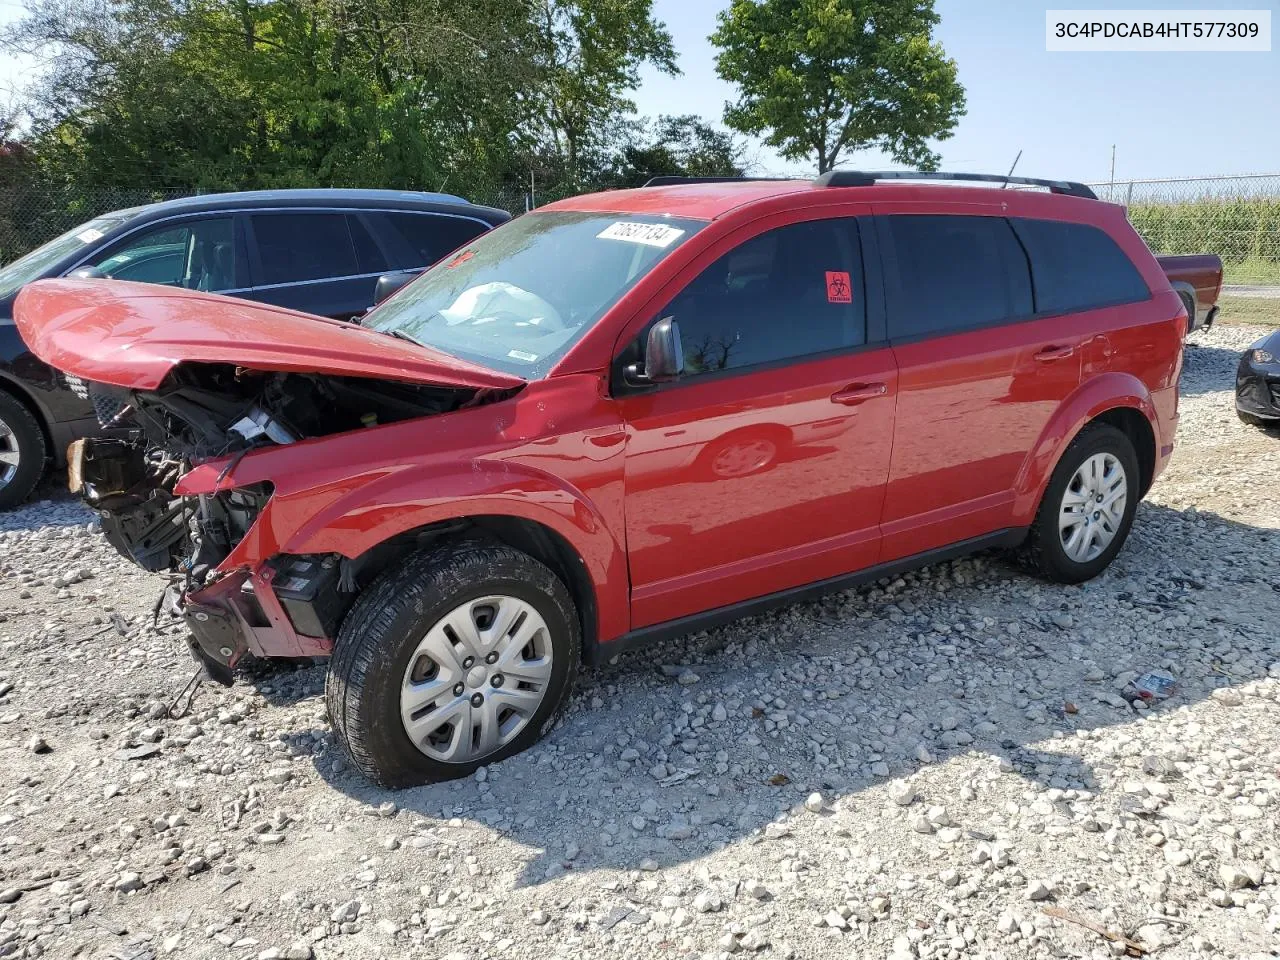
(1077, 267)
(416, 240)
(956, 273)
(294, 247)
(787, 293)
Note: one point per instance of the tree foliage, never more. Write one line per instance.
(232, 94)
(683, 146)
(820, 78)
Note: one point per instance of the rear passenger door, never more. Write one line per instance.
(979, 374)
(318, 261)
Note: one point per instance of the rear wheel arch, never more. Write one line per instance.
(1133, 423)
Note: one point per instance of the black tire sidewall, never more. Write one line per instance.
(1100, 438)
(386, 754)
(32, 451)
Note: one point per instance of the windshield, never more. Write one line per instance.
(517, 298)
(34, 264)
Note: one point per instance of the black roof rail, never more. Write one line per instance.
(672, 181)
(865, 178)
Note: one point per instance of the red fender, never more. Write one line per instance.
(1104, 392)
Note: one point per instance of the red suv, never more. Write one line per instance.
(622, 417)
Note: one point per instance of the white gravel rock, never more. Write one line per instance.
(914, 770)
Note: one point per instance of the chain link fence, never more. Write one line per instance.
(1237, 218)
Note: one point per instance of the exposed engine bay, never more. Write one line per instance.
(205, 411)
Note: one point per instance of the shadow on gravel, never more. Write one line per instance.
(860, 689)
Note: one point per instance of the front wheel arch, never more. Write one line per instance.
(536, 539)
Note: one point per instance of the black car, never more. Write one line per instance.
(1258, 383)
(319, 251)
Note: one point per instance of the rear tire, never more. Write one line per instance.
(416, 651)
(1076, 535)
(23, 451)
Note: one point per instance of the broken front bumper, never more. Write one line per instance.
(260, 612)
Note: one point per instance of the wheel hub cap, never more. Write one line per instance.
(9, 454)
(476, 679)
(1093, 507)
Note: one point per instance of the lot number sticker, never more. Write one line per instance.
(650, 234)
(839, 290)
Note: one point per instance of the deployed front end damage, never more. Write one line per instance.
(284, 606)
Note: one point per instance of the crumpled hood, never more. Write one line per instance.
(133, 334)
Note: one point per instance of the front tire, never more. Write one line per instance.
(22, 452)
(1250, 419)
(1087, 508)
(459, 657)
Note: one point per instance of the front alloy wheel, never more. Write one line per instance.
(458, 657)
(476, 679)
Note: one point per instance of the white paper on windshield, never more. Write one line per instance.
(650, 234)
(88, 236)
(522, 355)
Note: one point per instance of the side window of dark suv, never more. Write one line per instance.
(295, 247)
(788, 293)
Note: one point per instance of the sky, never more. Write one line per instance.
(1167, 114)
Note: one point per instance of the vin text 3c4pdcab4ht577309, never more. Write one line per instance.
(618, 418)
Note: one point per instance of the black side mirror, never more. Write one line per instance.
(88, 273)
(663, 356)
(389, 283)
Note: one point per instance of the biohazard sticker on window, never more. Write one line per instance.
(650, 234)
(839, 290)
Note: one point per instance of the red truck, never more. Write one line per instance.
(622, 417)
(1197, 279)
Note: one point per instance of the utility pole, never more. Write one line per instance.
(1111, 193)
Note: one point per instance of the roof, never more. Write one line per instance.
(333, 197)
(700, 201)
(707, 201)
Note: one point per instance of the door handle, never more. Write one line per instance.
(856, 393)
(1055, 353)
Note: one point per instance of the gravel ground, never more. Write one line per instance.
(941, 766)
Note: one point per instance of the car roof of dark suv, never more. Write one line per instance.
(318, 197)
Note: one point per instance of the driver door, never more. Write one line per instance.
(763, 467)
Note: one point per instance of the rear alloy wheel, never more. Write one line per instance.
(1093, 507)
(459, 657)
(1087, 508)
(22, 452)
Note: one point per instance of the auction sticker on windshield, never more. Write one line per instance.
(650, 234)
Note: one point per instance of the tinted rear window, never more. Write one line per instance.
(416, 240)
(1077, 267)
(956, 273)
(304, 246)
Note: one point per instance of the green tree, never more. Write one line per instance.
(683, 146)
(819, 78)
(588, 58)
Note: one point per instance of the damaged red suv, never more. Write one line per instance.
(622, 417)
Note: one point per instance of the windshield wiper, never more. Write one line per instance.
(401, 335)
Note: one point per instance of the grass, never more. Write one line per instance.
(1258, 272)
(1249, 310)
